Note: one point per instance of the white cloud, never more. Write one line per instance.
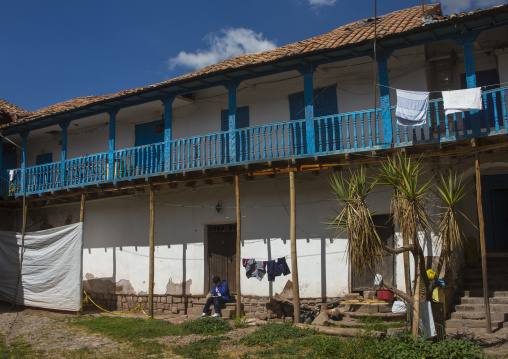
(228, 43)
(322, 2)
(456, 6)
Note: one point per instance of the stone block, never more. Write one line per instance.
(140, 299)
(321, 319)
(177, 299)
(167, 306)
(181, 306)
(163, 299)
(174, 310)
(169, 299)
(385, 309)
(368, 309)
(369, 294)
(129, 298)
(351, 296)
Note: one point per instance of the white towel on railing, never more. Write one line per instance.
(462, 100)
(11, 175)
(412, 107)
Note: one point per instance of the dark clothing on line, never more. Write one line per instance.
(276, 268)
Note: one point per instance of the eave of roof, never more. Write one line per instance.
(327, 47)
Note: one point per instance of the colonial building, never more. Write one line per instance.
(313, 107)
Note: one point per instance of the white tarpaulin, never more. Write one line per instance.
(51, 269)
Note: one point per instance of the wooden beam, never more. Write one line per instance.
(152, 252)
(82, 220)
(292, 235)
(82, 209)
(481, 226)
(238, 250)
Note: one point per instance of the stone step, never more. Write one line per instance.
(494, 316)
(386, 317)
(470, 323)
(480, 300)
(500, 308)
(479, 293)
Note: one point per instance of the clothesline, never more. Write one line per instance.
(483, 87)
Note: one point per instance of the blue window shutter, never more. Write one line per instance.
(43, 159)
(146, 133)
(296, 107)
(224, 120)
(325, 102)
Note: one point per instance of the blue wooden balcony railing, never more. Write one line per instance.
(341, 133)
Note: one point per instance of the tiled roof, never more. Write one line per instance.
(10, 112)
(393, 24)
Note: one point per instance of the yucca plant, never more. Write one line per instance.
(449, 234)
(355, 218)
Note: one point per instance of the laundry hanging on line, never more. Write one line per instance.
(412, 107)
(277, 268)
(462, 100)
(254, 268)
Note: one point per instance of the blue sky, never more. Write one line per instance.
(53, 50)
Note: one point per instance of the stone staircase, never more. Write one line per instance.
(469, 311)
(227, 309)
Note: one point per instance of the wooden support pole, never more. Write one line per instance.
(416, 299)
(82, 220)
(238, 261)
(481, 226)
(292, 235)
(152, 256)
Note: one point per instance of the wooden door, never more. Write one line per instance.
(222, 254)
(385, 265)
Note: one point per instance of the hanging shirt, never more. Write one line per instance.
(276, 268)
(412, 107)
(462, 100)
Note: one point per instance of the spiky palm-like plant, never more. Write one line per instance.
(355, 218)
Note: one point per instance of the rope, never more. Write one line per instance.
(87, 299)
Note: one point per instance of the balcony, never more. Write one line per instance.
(332, 135)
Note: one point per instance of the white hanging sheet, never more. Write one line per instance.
(51, 268)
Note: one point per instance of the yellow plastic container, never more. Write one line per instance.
(438, 295)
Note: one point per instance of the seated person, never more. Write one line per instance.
(220, 294)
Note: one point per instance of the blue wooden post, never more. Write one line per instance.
(384, 94)
(308, 103)
(64, 125)
(466, 40)
(168, 131)
(24, 141)
(1, 154)
(112, 140)
(232, 86)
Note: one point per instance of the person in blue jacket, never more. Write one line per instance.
(220, 294)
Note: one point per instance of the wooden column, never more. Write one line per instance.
(168, 131)
(292, 235)
(416, 299)
(112, 144)
(384, 93)
(82, 220)
(152, 249)
(308, 102)
(238, 250)
(481, 226)
(232, 87)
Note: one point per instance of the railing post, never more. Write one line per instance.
(112, 144)
(232, 86)
(308, 103)
(466, 40)
(168, 130)
(24, 141)
(384, 94)
(64, 125)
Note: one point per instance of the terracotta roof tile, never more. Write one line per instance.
(10, 113)
(397, 22)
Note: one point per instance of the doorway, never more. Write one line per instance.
(385, 262)
(222, 254)
(495, 208)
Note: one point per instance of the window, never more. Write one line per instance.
(148, 133)
(43, 159)
(242, 141)
(325, 103)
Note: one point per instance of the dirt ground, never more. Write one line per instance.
(48, 333)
